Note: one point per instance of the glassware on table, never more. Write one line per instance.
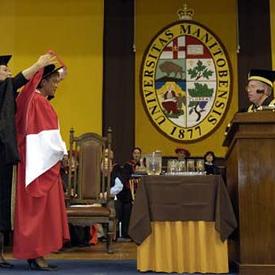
(181, 165)
(154, 163)
(190, 165)
(200, 165)
(172, 166)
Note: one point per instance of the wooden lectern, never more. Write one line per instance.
(250, 177)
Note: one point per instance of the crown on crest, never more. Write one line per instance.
(185, 13)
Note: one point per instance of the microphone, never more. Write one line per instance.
(260, 91)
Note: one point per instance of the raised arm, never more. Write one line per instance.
(23, 77)
(42, 61)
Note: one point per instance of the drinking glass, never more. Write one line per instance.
(190, 165)
(181, 166)
(153, 163)
(171, 166)
(200, 165)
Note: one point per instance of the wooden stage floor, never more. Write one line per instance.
(122, 251)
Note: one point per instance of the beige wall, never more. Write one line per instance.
(151, 16)
(74, 29)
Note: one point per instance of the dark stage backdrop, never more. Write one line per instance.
(254, 41)
(118, 76)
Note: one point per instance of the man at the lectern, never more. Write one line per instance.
(260, 89)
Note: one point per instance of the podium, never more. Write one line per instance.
(250, 177)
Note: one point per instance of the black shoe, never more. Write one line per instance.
(35, 266)
(6, 265)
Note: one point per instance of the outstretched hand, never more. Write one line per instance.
(43, 60)
(46, 59)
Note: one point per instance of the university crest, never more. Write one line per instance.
(186, 81)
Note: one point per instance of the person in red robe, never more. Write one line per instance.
(8, 144)
(40, 225)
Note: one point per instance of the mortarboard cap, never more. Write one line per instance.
(266, 76)
(59, 67)
(4, 59)
(49, 70)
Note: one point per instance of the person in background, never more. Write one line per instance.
(209, 165)
(260, 89)
(8, 145)
(41, 225)
(182, 153)
(125, 198)
(116, 185)
(135, 162)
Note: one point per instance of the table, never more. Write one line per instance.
(181, 224)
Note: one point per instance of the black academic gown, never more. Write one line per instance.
(266, 102)
(8, 145)
(123, 203)
(125, 195)
(211, 169)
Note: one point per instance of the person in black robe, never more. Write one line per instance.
(260, 89)
(209, 165)
(8, 144)
(124, 198)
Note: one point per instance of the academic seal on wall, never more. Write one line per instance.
(186, 80)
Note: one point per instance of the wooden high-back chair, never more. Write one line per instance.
(88, 190)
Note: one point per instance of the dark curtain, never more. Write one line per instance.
(255, 42)
(118, 76)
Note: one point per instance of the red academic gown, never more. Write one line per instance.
(40, 225)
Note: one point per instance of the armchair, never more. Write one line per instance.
(88, 190)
